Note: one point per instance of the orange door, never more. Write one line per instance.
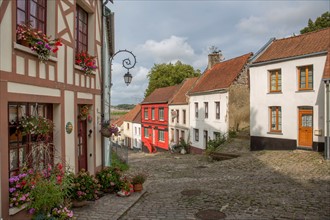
(305, 128)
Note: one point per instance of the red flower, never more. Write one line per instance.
(55, 50)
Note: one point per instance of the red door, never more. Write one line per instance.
(82, 145)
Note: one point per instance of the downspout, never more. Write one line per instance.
(327, 137)
(103, 75)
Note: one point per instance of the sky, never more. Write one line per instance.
(164, 31)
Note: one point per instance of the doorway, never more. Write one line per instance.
(305, 128)
(205, 137)
(82, 144)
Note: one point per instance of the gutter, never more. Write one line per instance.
(289, 58)
(209, 92)
(327, 104)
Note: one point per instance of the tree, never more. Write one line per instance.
(163, 75)
(320, 23)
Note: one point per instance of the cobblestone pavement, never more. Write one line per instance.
(257, 185)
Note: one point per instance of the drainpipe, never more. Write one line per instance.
(327, 104)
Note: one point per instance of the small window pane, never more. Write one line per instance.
(21, 4)
(13, 159)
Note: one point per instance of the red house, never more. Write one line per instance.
(155, 118)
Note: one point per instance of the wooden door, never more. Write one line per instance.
(305, 128)
(205, 137)
(82, 145)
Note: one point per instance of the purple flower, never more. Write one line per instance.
(11, 190)
(32, 210)
(48, 47)
(39, 42)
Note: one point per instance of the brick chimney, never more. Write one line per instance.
(214, 58)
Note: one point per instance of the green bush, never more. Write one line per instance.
(213, 145)
(109, 179)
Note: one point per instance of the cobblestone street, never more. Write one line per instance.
(257, 185)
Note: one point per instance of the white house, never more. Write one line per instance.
(179, 113)
(137, 142)
(128, 130)
(287, 98)
(213, 103)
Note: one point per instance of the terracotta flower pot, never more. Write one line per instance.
(138, 187)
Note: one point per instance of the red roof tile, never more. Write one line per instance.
(180, 96)
(326, 73)
(130, 116)
(138, 117)
(162, 95)
(221, 75)
(303, 44)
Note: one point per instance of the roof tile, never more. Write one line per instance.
(161, 95)
(303, 44)
(326, 73)
(180, 96)
(221, 75)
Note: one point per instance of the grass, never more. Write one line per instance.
(117, 162)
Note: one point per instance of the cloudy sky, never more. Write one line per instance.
(163, 31)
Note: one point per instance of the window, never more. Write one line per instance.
(216, 135)
(161, 136)
(177, 116)
(20, 146)
(146, 113)
(135, 142)
(153, 113)
(275, 80)
(206, 107)
(305, 77)
(173, 115)
(184, 116)
(217, 110)
(33, 11)
(275, 119)
(182, 134)
(127, 125)
(161, 114)
(139, 131)
(135, 131)
(196, 109)
(146, 134)
(81, 33)
(196, 134)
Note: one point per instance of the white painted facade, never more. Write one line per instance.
(137, 142)
(127, 133)
(290, 99)
(177, 128)
(210, 124)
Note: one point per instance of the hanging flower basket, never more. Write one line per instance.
(109, 130)
(83, 114)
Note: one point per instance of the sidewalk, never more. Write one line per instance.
(109, 207)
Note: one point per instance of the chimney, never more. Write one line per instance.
(214, 58)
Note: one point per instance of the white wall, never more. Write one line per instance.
(289, 99)
(127, 132)
(180, 126)
(137, 135)
(210, 124)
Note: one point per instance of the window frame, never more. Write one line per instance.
(206, 109)
(196, 135)
(177, 116)
(29, 14)
(145, 111)
(278, 119)
(217, 110)
(146, 132)
(78, 32)
(152, 113)
(196, 109)
(161, 114)
(306, 77)
(184, 115)
(278, 80)
(161, 135)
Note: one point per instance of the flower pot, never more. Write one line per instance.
(138, 187)
(77, 204)
(106, 132)
(24, 43)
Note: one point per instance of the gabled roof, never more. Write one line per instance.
(161, 95)
(326, 73)
(138, 117)
(221, 75)
(304, 44)
(180, 96)
(131, 115)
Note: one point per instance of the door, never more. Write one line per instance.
(205, 136)
(82, 145)
(305, 128)
(177, 136)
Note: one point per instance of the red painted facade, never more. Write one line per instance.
(155, 125)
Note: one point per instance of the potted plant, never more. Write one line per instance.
(86, 62)
(83, 112)
(108, 130)
(84, 187)
(109, 179)
(39, 42)
(137, 181)
(126, 187)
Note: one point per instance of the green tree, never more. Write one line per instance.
(162, 75)
(321, 22)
